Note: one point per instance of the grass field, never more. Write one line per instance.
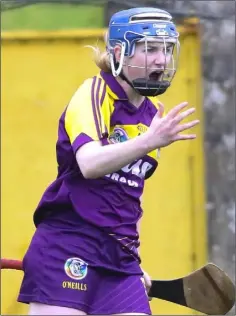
(52, 17)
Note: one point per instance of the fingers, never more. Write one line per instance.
(161, 109)
(173, 112)
(183, 127)
(178, 118)
(169, 127)
(184, 137)
(148, 284)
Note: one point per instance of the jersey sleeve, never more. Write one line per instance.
(86, 117)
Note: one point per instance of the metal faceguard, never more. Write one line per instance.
(128, 27)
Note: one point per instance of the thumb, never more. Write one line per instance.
(160, 109)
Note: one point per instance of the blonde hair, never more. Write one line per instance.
(101, 59)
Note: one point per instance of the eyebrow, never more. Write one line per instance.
(168, 45)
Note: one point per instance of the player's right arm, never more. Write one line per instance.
(86, 126)
(96, 160)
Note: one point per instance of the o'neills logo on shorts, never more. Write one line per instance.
(74, 285)
(76, 268)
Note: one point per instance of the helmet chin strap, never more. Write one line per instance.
(147, 88)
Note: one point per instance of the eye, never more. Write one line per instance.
(151, 49)
(169, 49)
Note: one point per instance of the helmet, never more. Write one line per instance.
(128, 27)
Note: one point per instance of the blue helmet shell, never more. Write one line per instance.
(132, 25)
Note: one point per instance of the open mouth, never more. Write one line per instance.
(155, 75)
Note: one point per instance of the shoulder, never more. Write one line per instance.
(91, 90)
(83, 90)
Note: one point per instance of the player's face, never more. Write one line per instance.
(156, 57)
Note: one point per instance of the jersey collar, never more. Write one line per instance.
(113, 87)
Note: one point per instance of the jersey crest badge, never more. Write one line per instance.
(118, 136)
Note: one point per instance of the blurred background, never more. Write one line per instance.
(189, 204)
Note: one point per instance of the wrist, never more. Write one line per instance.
(145, 141)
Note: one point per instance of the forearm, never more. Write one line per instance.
(96, 161)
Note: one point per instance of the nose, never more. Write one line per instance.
(161, 58)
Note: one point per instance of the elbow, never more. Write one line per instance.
(88, 171)
(87, 162)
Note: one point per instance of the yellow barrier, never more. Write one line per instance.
(40, 72)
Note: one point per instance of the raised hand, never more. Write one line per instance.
(165, 130)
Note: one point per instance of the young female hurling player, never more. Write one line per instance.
(83, 257)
